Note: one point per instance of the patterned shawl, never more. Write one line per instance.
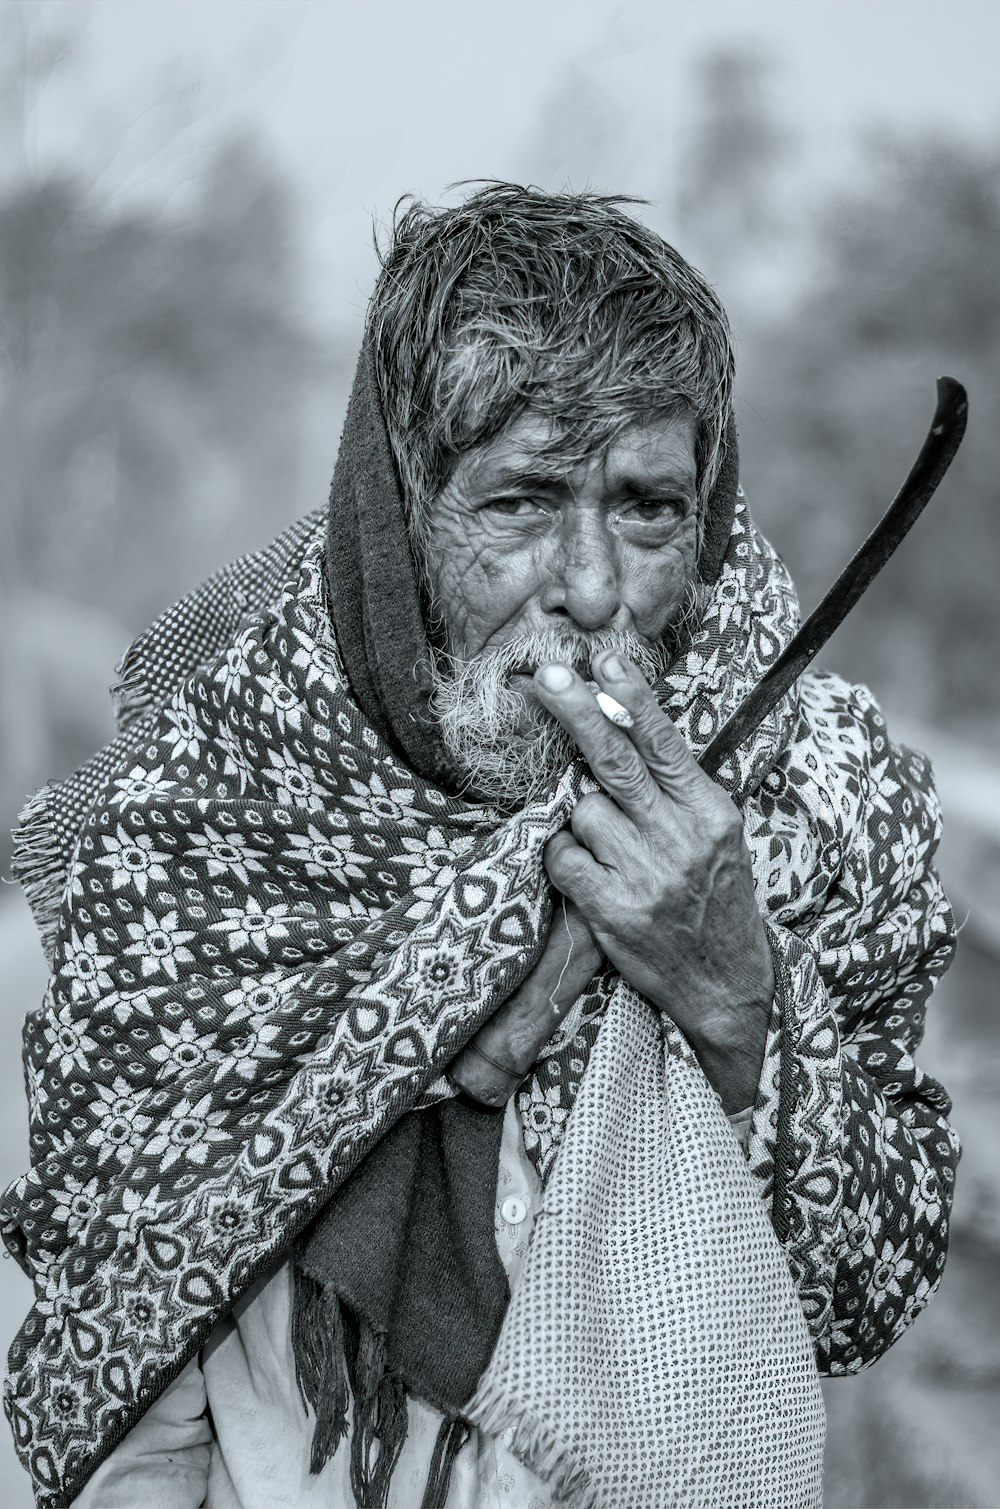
(273, 937)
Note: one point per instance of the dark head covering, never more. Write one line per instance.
(374, 587)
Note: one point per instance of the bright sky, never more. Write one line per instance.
(364, 101)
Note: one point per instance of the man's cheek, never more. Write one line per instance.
(483, 588)
(654, 585)
(457, 575)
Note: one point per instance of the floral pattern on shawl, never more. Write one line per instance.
(274, 937)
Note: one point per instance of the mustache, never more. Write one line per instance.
(573, 647)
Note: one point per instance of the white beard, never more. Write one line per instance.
(511, 748)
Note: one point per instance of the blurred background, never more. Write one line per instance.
(188, 194)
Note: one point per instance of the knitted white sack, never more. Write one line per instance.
(654, 1353)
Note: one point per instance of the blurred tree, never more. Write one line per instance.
(731, 195)
(153, 368)
(905, 288)
(151, 375)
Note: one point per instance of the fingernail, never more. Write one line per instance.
(555, 678)
(613, 667)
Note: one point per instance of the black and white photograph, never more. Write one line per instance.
(499, 728)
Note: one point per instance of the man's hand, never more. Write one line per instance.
(660, 871)
(507, 1046)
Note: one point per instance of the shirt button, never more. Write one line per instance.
(513, 1210)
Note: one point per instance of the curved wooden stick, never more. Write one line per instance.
(936, 455)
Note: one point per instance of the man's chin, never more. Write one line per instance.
(510, 746)
(525, 719)
(525, 764)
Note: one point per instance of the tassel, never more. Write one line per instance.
(381, 1418)
(337, 1353)
(451, 1437)
(319, 1345)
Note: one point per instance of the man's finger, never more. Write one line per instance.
(615, 761)
(572, 870)
(598, 824)
(665, 754)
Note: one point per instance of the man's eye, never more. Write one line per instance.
(653, 510)
(511, 508)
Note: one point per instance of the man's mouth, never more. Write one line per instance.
(527, 669)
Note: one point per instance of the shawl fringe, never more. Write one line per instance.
(381, 1416)
(39, 864)
(536, 1446)
(132, 696)
(451, 1437)
(319, 1347)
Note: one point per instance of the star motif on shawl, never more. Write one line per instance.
(444, 971)
(138, 785)
(158, 943)
(226, 1220)
(139, 1311)
(226, 854)
(281, 703)
(133, 859)
(253, 926)
(189, 1132)
(326, 855)
(183, 735)
(334, 1096)
(69, 1044)
(85, 966)
(121, 1126)
(68, 1390)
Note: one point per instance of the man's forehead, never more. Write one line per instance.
(529, 450)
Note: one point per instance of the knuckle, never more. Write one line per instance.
(554, 847)
(669, 750)
(562, 862)
(727, 824)
(590, 805)
(621, 768)
(588, 815)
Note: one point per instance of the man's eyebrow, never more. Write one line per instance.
(535, 477)
(648, 484)
(510, 475)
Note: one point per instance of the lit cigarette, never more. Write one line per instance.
(610, 708)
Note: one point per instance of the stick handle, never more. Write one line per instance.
(936, 455)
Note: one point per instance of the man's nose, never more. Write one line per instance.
(585, 577)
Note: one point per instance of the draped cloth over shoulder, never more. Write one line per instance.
(272, 922)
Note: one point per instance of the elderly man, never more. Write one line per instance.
(445, 1094)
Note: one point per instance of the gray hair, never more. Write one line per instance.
(563, 302)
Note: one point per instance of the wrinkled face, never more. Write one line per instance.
(530, 561)
(517, 543)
